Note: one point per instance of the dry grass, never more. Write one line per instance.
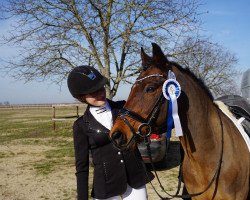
(38, 163)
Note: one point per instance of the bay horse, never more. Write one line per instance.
(216, 158)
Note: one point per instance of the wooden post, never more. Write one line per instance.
(53, 117)
(77, 111)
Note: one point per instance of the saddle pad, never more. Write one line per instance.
(236, 122)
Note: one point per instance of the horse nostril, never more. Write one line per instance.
(118, 137)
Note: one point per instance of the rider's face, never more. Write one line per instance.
(96, 98)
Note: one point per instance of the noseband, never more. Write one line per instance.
(146, 123)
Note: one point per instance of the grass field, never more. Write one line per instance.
(28, 132)
(33, 126)
(37, 162)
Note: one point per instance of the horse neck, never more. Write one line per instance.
(197, 113)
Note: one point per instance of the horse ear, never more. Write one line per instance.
(158, 55)
(146, 59)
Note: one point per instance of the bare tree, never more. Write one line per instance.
(210, 62)
(57, 35)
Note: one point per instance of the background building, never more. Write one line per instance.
(245, 85)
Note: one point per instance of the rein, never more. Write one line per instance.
(216, 174)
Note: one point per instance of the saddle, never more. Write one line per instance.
(240, 112)
(240, 108)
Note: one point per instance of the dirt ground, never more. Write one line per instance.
(18, 180)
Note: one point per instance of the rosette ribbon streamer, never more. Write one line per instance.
(171, 90)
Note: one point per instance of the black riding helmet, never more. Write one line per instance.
(85, 80)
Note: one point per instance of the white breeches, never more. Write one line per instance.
(131, 194)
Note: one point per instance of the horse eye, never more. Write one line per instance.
(150, 89)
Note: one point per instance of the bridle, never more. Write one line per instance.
(146, 123)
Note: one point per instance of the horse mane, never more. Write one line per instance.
(193, 76)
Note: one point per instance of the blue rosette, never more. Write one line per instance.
(171, 87)
(171, 91)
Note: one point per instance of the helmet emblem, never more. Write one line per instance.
(91, 75)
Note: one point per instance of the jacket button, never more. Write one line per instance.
(119, 153)
(121, 161)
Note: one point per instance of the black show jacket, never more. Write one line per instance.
(113, 169)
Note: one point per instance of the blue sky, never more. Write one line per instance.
(227, 23)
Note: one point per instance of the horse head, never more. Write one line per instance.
(140, 115)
